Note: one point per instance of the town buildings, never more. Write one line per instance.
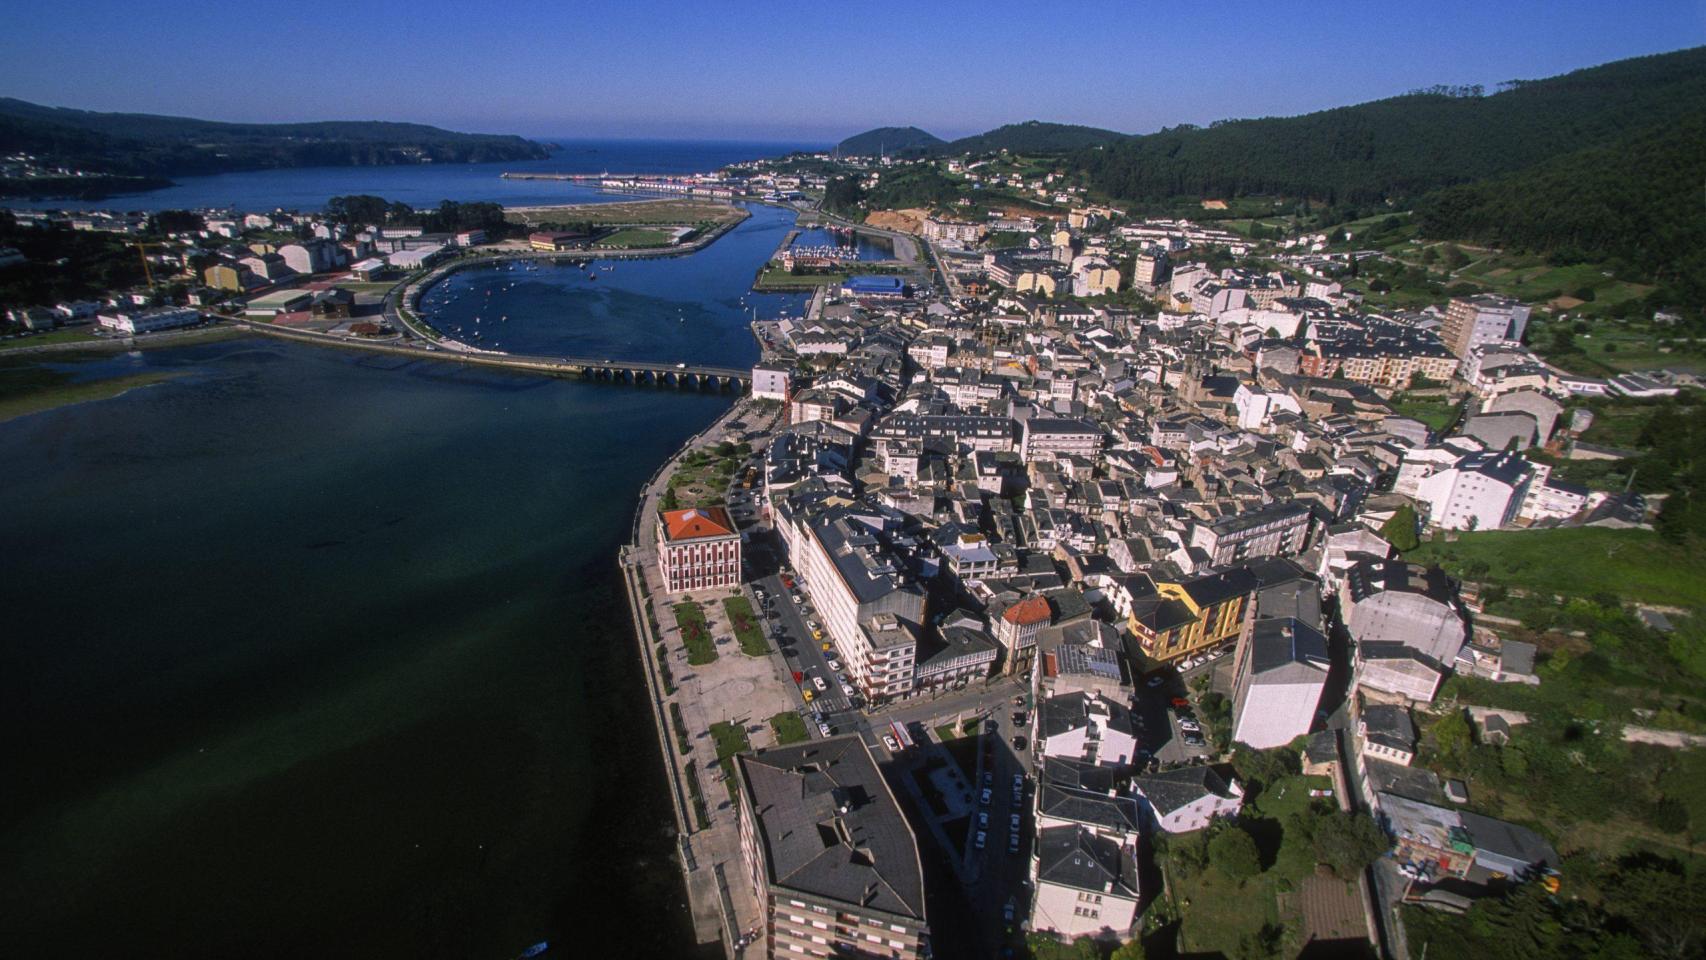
(698, 549)
(829, 853)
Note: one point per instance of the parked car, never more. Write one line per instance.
(988, 778)
(834, 664)
(982, 839)
(1157, 680)
(1013, 823)
(823, 728)
(984, 797)
(1180, 703)
(983, 819)
(1013, 843)
(891, 743)
(1008, 910)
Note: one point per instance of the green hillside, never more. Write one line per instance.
(1033, 136)
(135, 144)
(1634, 203)
(888, 141)
(1405, 146)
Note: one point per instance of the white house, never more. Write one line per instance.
(1277, 682)
(1482, 491)
(1187, 798)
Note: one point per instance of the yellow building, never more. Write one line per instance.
(1182, 618)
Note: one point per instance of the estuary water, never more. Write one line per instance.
(316, 654)
(675, 309)
(308, 188)
(312, 653)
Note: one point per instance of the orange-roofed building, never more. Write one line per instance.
(1017, 628)
(698, 549)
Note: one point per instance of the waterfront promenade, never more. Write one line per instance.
(735, 688)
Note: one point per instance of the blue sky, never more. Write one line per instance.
(809, 71)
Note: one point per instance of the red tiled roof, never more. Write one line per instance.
(1026, 612)
(697, 523)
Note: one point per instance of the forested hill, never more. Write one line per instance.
(1403, 147)
(888, 141)
(1634, 203)
(148, 145)
(1032, 136)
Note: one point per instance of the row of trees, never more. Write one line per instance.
(448, 217)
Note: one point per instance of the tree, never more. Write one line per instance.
(1452, 738)
(1657, 900)
(1234, 854)
(1130, 950)
(1260, 769)
(175, 221)
(1346, 842)
(1400, 530)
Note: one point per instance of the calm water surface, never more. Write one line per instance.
(307, 189)
(310, 653)
(313, 654)
(693, 308)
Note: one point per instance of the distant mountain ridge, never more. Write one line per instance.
(149, 145)
(889, 141)
(1401, 147)
(1032, 136)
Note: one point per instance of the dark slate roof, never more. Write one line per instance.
(1376, 576)
(1076, 774)
(1171, 789)
(1287, 651)
(1087, 807)
(830, 828)
(1075, 857)
(1389, 725)
(1071, 711)
(1508, 840)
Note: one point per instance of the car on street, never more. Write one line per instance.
(1008, 910)
(1013, 842)
(834, 664)
(984, 797)
(847, 689)
(983, 819)
(1180, 703)
(798, 598)
(823, 728)
(982, 839)
(807, 694)
(819, 684)
(988, 778)
(1157, 680)
(1019, 742)
(826, 647)
(891, 743)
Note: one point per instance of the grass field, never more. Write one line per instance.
(773, 277)
(670, 211)
(1577, 562)
(35, 389)
(788, 727)
(747, 629)
(1222, 915)
(54, 336)
(1439, 413)
(695, 633)
(730, 739)
(638, 237)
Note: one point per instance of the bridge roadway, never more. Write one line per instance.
(687, 376)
